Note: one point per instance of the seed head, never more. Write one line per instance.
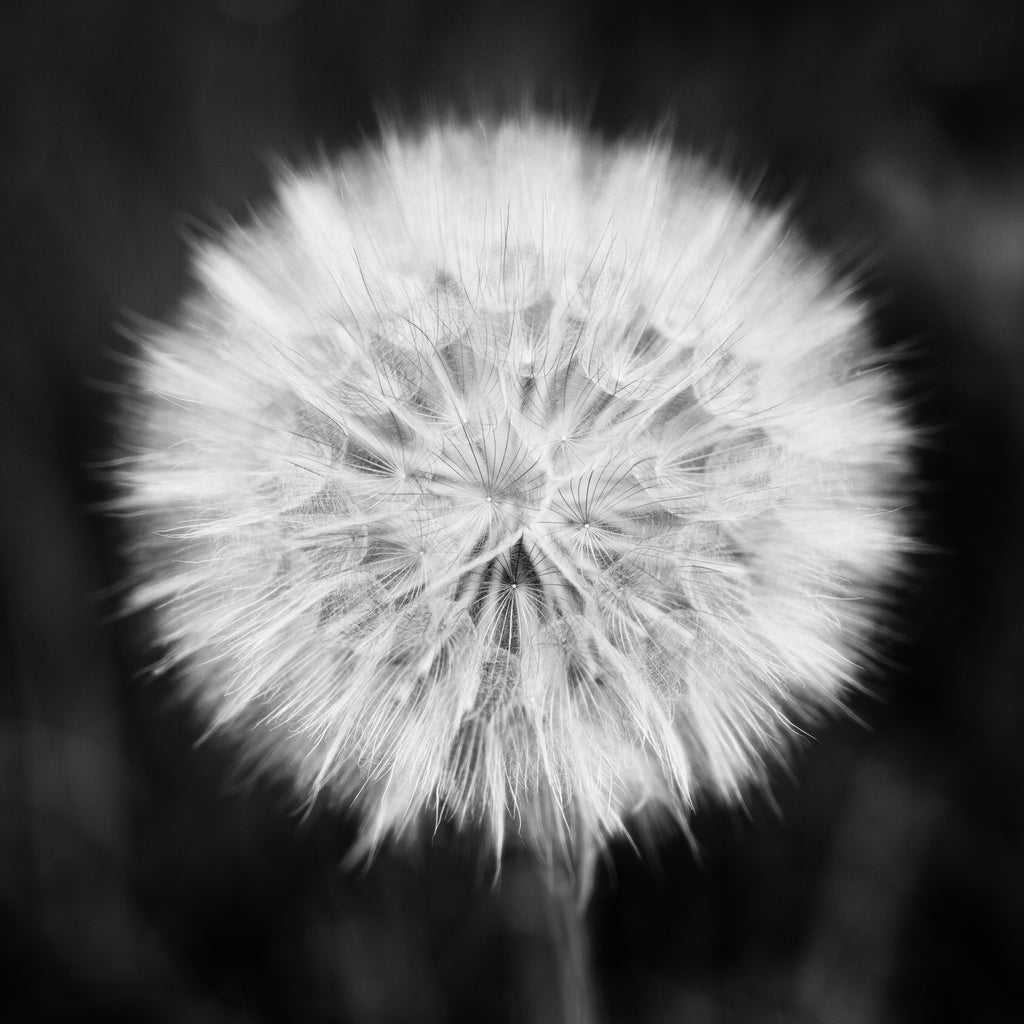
(500, 476)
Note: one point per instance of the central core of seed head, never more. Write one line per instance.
(493, 465)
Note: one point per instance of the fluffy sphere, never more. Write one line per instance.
(501, 476)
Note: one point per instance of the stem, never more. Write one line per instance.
(546, 906)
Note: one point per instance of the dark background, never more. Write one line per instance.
(139, 882)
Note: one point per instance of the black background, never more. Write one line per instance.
(139, 882)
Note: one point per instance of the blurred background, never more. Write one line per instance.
(141, 880)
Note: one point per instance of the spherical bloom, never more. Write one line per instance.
(502, 476)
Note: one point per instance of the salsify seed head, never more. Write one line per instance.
(500, 476)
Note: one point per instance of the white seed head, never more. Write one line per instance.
(502, 476)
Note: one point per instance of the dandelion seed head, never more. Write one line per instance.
(502, 476)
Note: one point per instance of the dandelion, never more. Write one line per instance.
(499, 476)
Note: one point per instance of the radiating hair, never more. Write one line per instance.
(498, 475)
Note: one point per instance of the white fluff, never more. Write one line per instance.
(499, 475)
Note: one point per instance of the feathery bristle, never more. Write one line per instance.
(504, 476)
